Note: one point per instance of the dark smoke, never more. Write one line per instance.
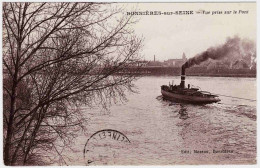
(233, 47)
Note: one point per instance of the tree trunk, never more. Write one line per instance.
(8, 144)
(9, 134)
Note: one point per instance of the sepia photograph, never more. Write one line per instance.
(129, 83)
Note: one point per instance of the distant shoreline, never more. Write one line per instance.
(225, 75)
(193, 71)
(210, 75)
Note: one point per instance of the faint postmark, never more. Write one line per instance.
(105, 146)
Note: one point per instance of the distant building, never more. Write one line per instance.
(139, 64)
(154, 63)
(240, 64)
(142, 63)
(217, 65)
(253, 66)
(176, 62)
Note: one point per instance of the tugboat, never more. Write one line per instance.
(193, 95)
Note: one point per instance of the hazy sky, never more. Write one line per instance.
(168, 37)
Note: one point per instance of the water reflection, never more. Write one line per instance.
(183, 112)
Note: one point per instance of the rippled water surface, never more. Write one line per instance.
(167, 133)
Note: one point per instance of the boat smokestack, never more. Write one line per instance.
(183, 76)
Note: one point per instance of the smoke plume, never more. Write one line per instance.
(234, 47)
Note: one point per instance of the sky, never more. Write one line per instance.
(167, 37)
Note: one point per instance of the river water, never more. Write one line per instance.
(167, 133)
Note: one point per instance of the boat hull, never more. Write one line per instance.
(188, 99)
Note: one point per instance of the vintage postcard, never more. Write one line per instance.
(99, 83)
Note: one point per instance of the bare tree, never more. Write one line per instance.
(56, 57)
